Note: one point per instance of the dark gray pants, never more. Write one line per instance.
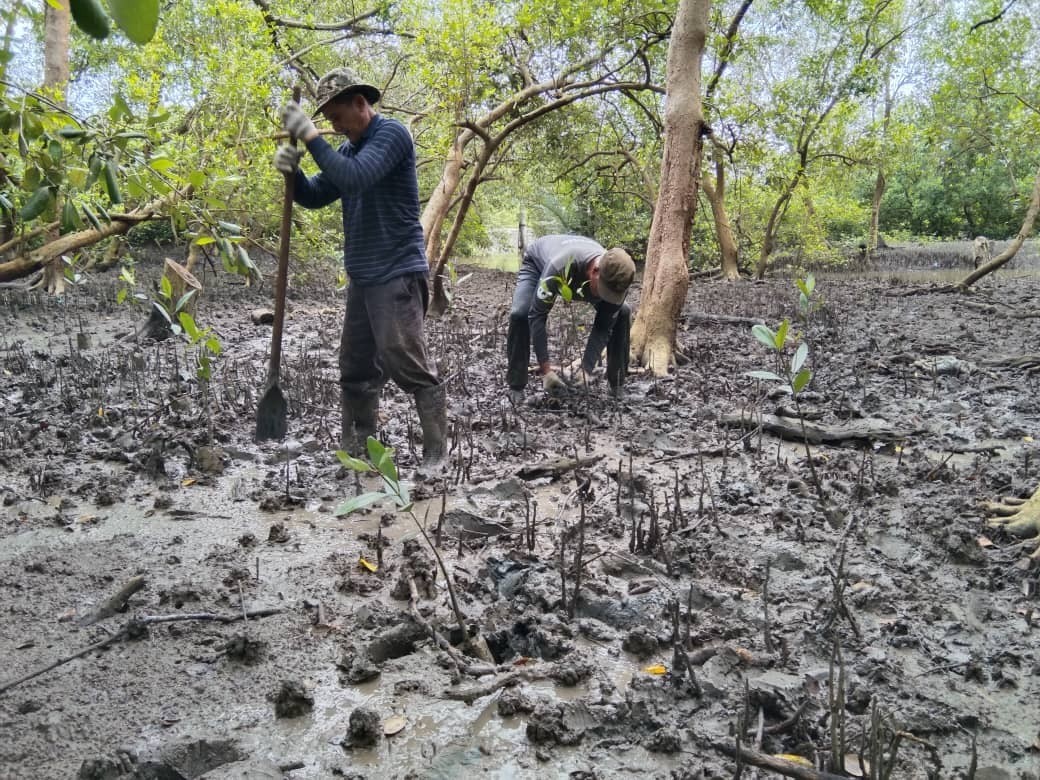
(383, 337)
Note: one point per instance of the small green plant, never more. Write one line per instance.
(206, 343)
(808, 302)
(454, 281)
(381, 461)
(128, 286)
(793, 376)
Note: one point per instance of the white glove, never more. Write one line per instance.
(297, 123)
(287, 159)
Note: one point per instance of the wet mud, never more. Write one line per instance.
(662, 581)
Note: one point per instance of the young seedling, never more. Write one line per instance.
(381, 461)
(795, 377)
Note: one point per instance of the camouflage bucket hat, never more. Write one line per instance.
(339, 81)
(616, 272)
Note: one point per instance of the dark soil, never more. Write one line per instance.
(717, 595)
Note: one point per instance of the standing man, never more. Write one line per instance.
(373, 176)
(593, 274)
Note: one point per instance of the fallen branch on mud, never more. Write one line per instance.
(722, 319)
(114, 604)
(470, 695)
(874, 429)
(764, 761)
(555, 467)
(134, 629)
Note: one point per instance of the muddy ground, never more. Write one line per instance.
(718, 598)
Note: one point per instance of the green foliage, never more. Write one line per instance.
(380, 461)
(206, 343)
(137, 18)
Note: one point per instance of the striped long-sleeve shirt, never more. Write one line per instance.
(376, 183)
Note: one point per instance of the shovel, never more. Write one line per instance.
(272, 411)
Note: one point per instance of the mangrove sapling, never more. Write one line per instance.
(381, 461)
(795, 378)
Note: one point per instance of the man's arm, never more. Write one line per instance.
(382, 152)
(606, 314)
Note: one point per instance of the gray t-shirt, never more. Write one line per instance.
(559, 259)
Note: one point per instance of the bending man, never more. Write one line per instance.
(593, 274)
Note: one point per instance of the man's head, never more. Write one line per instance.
(346, 102)
(613, 275)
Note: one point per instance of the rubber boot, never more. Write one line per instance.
(431, 403)
(359, 421)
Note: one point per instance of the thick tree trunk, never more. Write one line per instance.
(1016, 243)
(667, 276)
(56, 24)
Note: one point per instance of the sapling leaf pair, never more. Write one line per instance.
(798, 376)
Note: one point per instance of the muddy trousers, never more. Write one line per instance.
(383, 339)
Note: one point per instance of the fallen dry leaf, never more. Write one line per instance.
(393, 725)
(656, 669)
(365, 564)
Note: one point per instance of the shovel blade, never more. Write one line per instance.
(272, 415)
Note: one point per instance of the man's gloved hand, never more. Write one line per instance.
(287, 158)
(553, 384)
(574, 374)
(297, 123)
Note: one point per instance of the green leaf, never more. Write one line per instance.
(90, 17)
(799, 357)
(69, 217)
(121, 295)
(765, 335)
(111, 185)
(184, 300)
(204, 240)
(781, 334)
(768, 376)
(91, 218)
(162, 310)
(801, 380)
(196, 179)
(38, 202)
(230, 227)
(161, 164)
(359, 502)
(213, 345)
(165, 288)
(350, 462)
(188, 322)
(137, 18)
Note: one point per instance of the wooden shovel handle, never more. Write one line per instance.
(283, 267)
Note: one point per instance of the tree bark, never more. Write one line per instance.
(716, 194)
(667, 276)
(56, 25)
(1016, 243)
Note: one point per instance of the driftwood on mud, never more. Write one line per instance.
(764, 761)
(870, 429)
(555, 467)
(135, 628)
(722, 319)
(115, 603)
(1028, 362)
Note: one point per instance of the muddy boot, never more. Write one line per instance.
(358, 422)
(431, 403)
